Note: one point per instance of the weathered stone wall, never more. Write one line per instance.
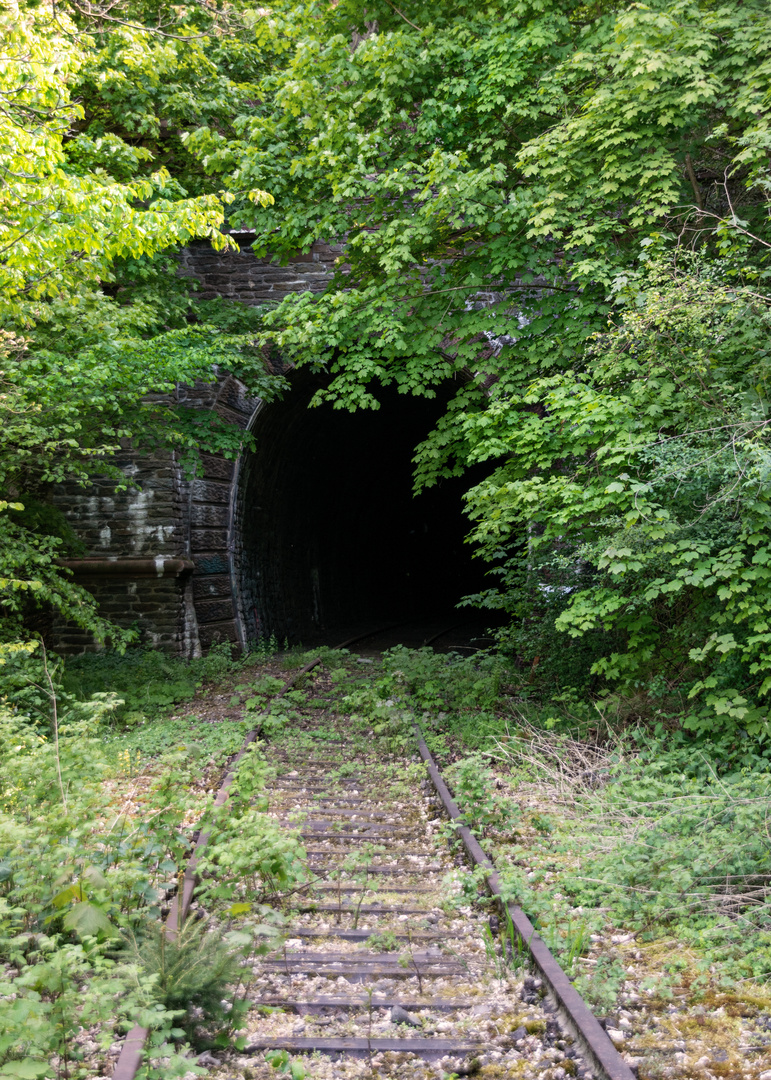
(242, 276)
(159, 608)
(163, 515)
(146, 519)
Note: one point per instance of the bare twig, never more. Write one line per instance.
(55, 719)
(403, 16)
(694, 182)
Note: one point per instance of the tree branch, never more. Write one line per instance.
(403, 16)
(694, 182)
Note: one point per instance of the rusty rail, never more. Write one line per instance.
(571, 1007)
(130, 1057)
(573, 1011)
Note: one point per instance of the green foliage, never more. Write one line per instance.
(474, 789)
(60, 987)
(191, 971)
(74, 872)
(651, 848)
(283, 1064)
(445, 692)
(439, 681)
(250, 780)
(63, 229)
(69, 395)
(94, 831)
(268, 713)
(500, 179)
(382, 942)
(698, 856)
(495, 175)
(641, 480)
(93, 317)
(518, 153)
(148, 681)
(250, 858)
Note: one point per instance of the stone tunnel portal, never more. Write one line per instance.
(328, 534)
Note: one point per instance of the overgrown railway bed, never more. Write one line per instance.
(386, 968)
(378, 936)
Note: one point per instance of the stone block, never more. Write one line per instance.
(216, 467)
(285, 275)
(209, 491)
(235, 416)
(210, 563)
(209, 611)
(213, 633)
(287, 287)
(315, 269)
(206, 515)
(211, 586)
(208, 540)
(233, 393)
(220, 280)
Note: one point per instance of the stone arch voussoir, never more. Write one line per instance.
(211, 520)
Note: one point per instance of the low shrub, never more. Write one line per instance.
(148, 681)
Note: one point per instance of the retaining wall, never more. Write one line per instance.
(162, 515)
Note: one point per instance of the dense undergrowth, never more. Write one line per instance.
(100, 795)
(145, 680)
(103, 781)
(659, 831)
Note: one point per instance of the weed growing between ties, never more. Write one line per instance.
(192, 971)
(249, 859)
(600, 838)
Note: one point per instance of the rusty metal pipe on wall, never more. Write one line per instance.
(159, 566)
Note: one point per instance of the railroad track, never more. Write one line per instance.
(386, 968)
(443, 632)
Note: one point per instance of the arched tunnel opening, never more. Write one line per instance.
(329, 535)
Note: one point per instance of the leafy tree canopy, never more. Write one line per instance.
(561, 207)
(96, 320)
(465, 154)
(565, 208)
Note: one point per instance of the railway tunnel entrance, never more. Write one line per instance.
(329, 535)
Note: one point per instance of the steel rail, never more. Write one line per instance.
(447, 630)
(130, 1057)
(573, 1011)
(575, 1014)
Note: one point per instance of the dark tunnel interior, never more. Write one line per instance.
(331, 536)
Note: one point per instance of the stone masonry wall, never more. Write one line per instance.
(162, 515)
(143, 520)
(156, 607)
(242, 276)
